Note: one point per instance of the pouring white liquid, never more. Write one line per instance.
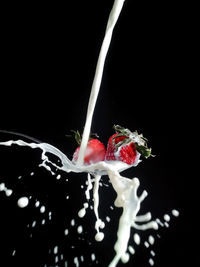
(125, 188)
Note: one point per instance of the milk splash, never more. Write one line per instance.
(125, 188)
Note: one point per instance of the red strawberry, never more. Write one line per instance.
(126, 146)
(94, 153)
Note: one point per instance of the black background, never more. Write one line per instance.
(48, 58)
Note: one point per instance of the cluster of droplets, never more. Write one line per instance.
(91, 192)
(26, 202)
(150, 241)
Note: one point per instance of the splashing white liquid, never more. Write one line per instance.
(125, 188)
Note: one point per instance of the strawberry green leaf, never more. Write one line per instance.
(77, 136)
(143, 150)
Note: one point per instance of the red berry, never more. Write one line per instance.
(126, 153)
(95, 152)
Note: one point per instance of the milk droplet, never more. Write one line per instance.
(55, 250)
(151, 262)
(8, 192)
(146, 244)
(151, 240)
(152, 253)
(93, 257)
(131, 250)
(37, 204)
(58, 177)
(66, 232)
(22, 202)
(80, 229)
(42, 209)
(99, 236)
(2, 187)
(72, 222)
(136, 238)
(166, 224)
(159, 222)
(166, 217)
(14, 252)
(56, 259)
(82, 213)
(107, 219)
(76, 262)
(175, 213)
(33, 224)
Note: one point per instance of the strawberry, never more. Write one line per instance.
(94, 153)
(126, 146)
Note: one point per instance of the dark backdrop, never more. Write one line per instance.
(48, 58)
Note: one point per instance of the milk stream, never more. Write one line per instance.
(125, 188)
(113, 17)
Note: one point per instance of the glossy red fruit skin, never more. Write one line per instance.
(126, 153)
(95, 152)
(111, 149)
